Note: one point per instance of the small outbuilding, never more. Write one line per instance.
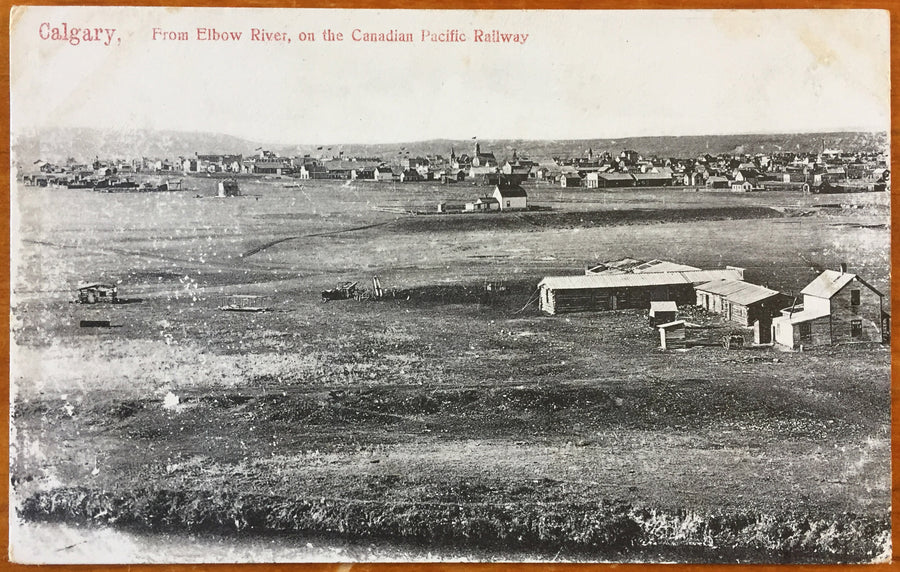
(97, 292)
(229, 188)
(672, 334)
(663, 312)
(483, 204)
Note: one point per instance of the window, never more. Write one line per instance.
(805, 331)
(855, 328)
(854, 297)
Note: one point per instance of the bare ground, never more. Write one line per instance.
(376, 418)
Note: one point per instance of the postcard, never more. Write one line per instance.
(321, 285)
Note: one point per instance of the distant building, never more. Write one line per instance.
(716, 182)
(661, 178)
(229, 188)
(313, 172)
(383, 173)
(483, 159)
(97, 292)
(363, 174)
(613, 180)
(272, 166)
(410, 176)
(483, 204)
(567, 181)
(453, 176)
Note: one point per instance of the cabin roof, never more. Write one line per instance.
(601, 281)
(663, 306)
(511, 191)
(803, 316)
(830, 282)
(737, 291)
(93, 285)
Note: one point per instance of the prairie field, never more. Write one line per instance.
(441, 414)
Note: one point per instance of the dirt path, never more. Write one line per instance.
(272, 243)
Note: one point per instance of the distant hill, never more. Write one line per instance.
(667, 146)
(86, 143)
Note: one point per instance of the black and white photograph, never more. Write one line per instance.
(346, 285)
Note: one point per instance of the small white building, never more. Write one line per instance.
(511, 197)
(741, 186)
(384, 174)
(483, 204)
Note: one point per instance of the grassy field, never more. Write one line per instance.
(440, 414)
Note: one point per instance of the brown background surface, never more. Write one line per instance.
(891, 5)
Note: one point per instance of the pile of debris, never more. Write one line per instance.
(351, 291)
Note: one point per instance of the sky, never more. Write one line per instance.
(578, 75)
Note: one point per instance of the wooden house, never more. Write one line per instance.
(453, 176)
(740, 302)
(313, 172)
(716, 182)
(661, 178)
(272, 166)
(569, 180)
(383, 173)
(483, 204)
(838, 307)
(410, 176)
(743, 186)
(511, 197)
(615, 180)
(363, 174)
(490, 178)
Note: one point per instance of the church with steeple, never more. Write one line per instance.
(483, 159)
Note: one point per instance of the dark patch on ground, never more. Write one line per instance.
(586, 219)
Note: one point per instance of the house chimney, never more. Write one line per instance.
(843, 268)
